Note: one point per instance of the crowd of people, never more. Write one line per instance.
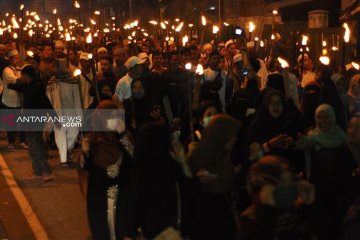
(243, 150)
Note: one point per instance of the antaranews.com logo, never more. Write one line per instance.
(35, 120)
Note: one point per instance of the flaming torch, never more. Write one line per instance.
(304, 43)
(251, 29)
(203, 22)
(77, 6)
(346, 40)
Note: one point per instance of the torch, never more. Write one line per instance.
(77, 6)
(215, 32)
(203, 22)
(346, 40)
(285, 66)
(198, 72)
(251, 29)
(303, 44)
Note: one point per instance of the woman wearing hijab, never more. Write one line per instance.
(161, 188)
(330, 95)
(272, 127)
(311, 100)
(212, 208)
(139, 109)
(354, 95)
(329, 169)
(275, 211)
(108, 163)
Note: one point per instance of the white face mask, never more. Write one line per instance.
(115, 124)
(207, 120)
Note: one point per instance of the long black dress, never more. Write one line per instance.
(102, 184)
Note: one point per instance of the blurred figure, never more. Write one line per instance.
(211, 164)
(278, 209)
(354, 95)
(106, 172)
(10, 98)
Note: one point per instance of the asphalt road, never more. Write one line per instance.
(58, 205)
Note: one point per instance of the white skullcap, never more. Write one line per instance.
(102, 49)
(131, 62)
(206, 46)
(13, 53)
(84, 56)
(229, 42)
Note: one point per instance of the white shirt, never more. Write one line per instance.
(123, 88)
(10, 98)
(262, 73)
(210, 75)
(307, 77)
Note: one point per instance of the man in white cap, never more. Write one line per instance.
(262, 72)
(215, 84)
(63, 93)
(135, 69)
(10, 98)
(231, 52)
(3, 64)
(101, 52)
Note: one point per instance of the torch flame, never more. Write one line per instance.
(77, 72)
(31, 32)
(67, 37)
(347, 32)
(21, 7)
(226, 24)
(272, 36)
(215, 29)
(185, 39)
(199, 69)
(283, 62)
(304, 40)
(325, 60)
(97, 12)
(203, 20)
(188, 66)
(77, 5)
(15, 23)
(30, 53)
(89, 38)
(262, 43)
(251, 27)
(355, 65)
(179, 27)
(163, 26)
(54, 11)
(153, 22)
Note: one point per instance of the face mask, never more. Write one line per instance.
(138, 94)
(285, 196)
(207, 120)
(115, 124)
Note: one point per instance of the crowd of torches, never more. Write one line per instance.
(29, 26)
